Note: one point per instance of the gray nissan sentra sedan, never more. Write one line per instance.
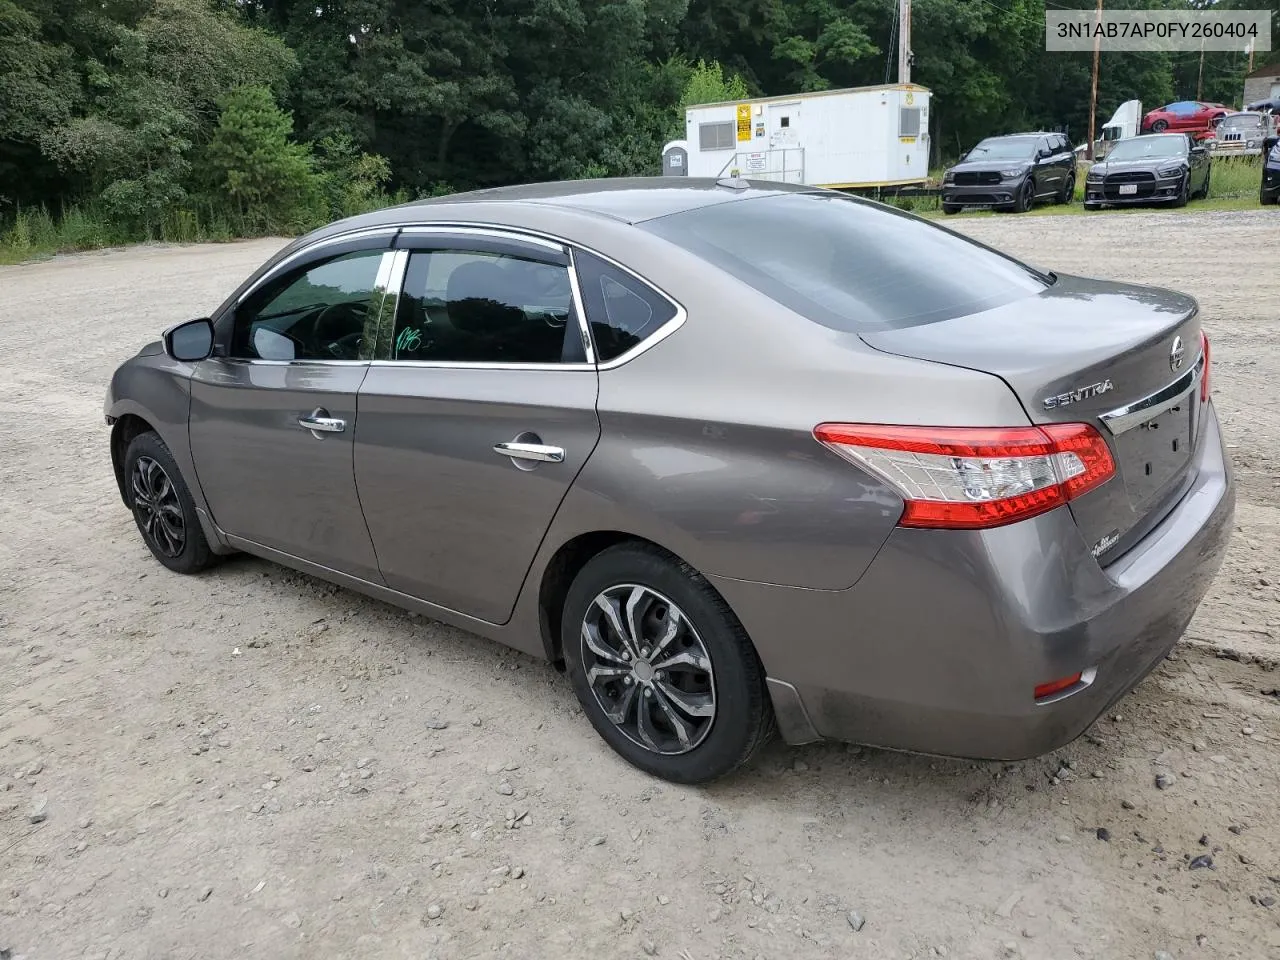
(736, 454)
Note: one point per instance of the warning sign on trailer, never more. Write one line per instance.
(744, 121)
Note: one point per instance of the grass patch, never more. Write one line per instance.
(35, 233)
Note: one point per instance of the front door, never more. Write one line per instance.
(475, 418)
(273, 413)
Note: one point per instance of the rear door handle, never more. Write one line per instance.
(530, 451)
(322, 424)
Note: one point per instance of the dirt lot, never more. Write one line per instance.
(293, 801)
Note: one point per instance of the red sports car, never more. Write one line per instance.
(1185, 116)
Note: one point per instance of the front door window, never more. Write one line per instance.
(324, 311)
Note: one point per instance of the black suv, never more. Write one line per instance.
(1012, 172)
(1270, 190)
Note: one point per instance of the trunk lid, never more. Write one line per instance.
(1092, 352)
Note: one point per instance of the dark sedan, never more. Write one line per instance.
(1011, 172)
(1155, 168)
(1270, 190)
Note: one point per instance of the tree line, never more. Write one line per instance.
(179, 119)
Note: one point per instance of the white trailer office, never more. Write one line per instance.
(860, 137)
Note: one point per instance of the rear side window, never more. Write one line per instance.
(849, 264)
(622, 311)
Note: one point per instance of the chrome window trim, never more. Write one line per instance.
(301, 252)
(580, 308)
(494, 232)
(469, 365)
(502, 232)
(259, 362)
(1123, 419)
(520, 233)
(381, 289)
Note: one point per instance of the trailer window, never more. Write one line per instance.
(850, 264)
(909, 122)
(715, 136)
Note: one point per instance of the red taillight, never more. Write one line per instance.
(976, 477)
(1057, 686)
(1204, 378)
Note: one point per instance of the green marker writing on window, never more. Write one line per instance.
(408, 339)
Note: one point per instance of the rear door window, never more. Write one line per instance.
(480, 306)
(847, 263)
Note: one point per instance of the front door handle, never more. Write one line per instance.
(530, 451)
(318, 424)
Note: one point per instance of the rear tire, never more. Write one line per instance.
(689, 705)
(1204, 191)
(163, 508)
(1068, 190)
(1160, 126)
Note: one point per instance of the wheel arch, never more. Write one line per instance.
(123, 431)
(565, 564)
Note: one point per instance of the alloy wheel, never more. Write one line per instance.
(648, 669)
(156, 505)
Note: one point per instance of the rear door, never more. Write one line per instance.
(476, 416)
(1049, 172)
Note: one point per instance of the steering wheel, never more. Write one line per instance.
(333, 328)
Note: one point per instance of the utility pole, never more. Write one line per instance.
(904, 41)
(1093, 90)
(1250, 55)
(1200, 78)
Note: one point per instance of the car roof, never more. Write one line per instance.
(623, 199)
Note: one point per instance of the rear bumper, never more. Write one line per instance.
(940, 645)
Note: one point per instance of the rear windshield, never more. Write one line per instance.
(849, 264)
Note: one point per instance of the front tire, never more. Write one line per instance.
(662, 667)
(1026, 197)
(163, 508)
(1266, 199)
(950, 208)
(1183, 192)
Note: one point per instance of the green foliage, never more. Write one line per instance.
(708, 84)
(117, 124)
(350, 180)
(250, 158)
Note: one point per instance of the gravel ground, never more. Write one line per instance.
(358, 782)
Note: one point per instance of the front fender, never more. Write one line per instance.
(153, 392)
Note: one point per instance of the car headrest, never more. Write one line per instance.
(479, 298)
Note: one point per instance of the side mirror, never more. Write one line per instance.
(190, 341)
